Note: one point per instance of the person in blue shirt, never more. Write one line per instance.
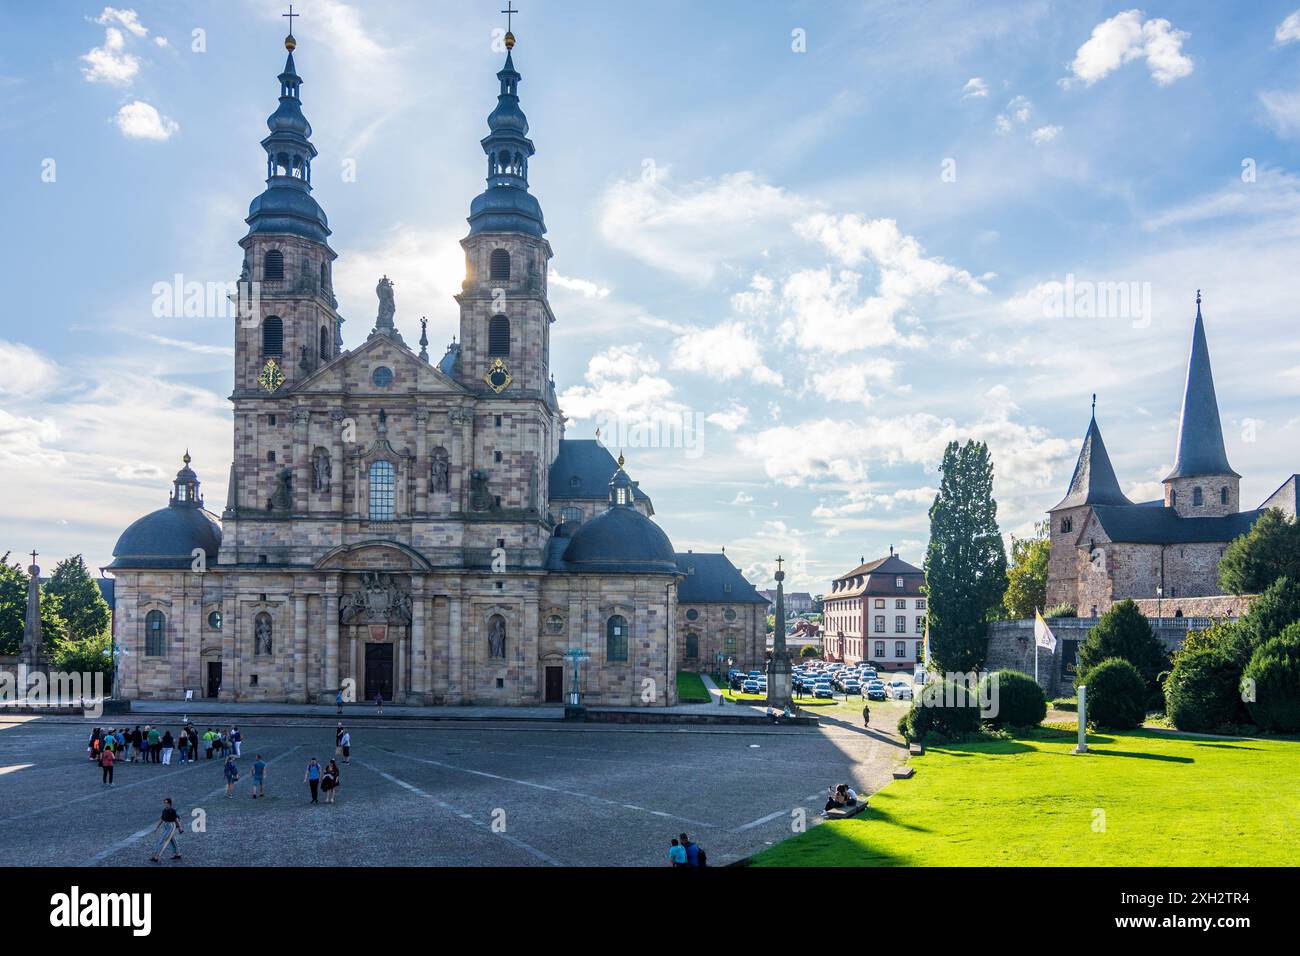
(676, 854)
(312, 778)
(692, 851)
(231, 771)
(259, 777)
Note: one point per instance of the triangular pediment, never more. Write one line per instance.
(355, 371)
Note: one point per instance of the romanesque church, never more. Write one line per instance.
(407, 528)
(1163, 553)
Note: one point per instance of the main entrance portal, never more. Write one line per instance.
(379, 671)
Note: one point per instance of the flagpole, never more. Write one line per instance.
(1035, 644)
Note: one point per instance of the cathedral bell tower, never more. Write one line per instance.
(288, 324)
(504, 314)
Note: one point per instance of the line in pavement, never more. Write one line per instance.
(140, 834)
(467, 817)
(543, 786)
(772, 816)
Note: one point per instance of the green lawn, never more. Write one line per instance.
(1167, 801)
(690, 689)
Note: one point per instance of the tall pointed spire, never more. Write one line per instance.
(1200, 431)
(506, 205)
(1094, 481)
(286, 206)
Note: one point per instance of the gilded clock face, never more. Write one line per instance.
(271, 377)
(498, 376)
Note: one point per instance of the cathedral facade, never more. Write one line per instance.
(1165, 553)
(402, 527)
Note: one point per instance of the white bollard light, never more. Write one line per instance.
(1082, 747)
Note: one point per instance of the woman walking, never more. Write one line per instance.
(330, 781)
(106, 762)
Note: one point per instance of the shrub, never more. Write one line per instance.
(942, 711)
(1020, 701)
(1061, 610)
(1203, 691)
(1123, 632)
(1116, 695)
(1273, 675)
(1271, 612)
(809, 651)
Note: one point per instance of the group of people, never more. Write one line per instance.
(323, 780)
(110, 746)
(683, 852)
(840, 797)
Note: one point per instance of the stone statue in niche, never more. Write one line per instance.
(262, 629)
(440, 472)
(282, 498)
(497, 637)
(321, 470)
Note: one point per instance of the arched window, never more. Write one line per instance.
(1197, 498)
(616, 638)
(1067, 525)
(1173, 499)
(1223, 495)
(571, 515)
(499, 264)
(324, 275)
(155, 634)
(498, 335)
(273, 266)
(383, 492)
(692, 646)
(325, 342)
(272, 337)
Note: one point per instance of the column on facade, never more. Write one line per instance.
(455, 685)
(300, 647)
(421, 461)
(528, 646)
(301, 459)
(336, 461)
(419, 638)
(230, 624)
(400, 655)
(332, 637)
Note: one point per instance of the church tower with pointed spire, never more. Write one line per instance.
(1202, 484)
(291, 325)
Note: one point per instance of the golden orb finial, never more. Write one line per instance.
(510, 40)
(290, 43)
(620, 459)
(186, 457)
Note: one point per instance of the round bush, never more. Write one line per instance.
(1016, 698)
(1116, 695)
(943, 711)
(1273, 678)
(1203, 691)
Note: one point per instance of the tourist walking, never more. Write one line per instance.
(259, 777)
(866, 715)
(379, 700)
(345, 745)
(170, 824)
(106, 763)
(312, 778)
(338, 700)
(338, 739)
(168, 744)
(231, 770)
(330, 781)
(236, 739)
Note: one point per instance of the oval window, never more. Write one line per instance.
(729, 614)
(214, 620)
(692, 614)
(382, 377)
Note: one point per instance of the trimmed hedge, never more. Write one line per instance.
(1019, 700)
(1116, 695)
(1203, 691)
(1274, 675)
(941, 711)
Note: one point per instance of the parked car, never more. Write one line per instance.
(750, 686)
(875, 690)
(852, 686)
(899, 690)
(823, 690)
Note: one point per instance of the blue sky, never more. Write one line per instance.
(833, 233)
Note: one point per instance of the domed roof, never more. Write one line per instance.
(288, 209)
(506, 209)
(624, 540)
(166, 538)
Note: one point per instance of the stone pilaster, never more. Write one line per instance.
(300, 647)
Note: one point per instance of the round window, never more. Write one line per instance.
(692, 614)
(729, 614)
(555, 624)
(382, 377)
(214, 620)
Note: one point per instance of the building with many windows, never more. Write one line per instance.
(876, 613)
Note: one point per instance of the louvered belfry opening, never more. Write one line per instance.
(273, 266)
(273, 337)
(499, 265)
(498, 335)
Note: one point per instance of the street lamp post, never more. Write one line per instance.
(573, 706)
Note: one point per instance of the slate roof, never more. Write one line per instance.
(1094, 481)
(705, 577)
(1143, 524)
(167, 537)
(619, 541)
(1200, 431)
(591, 463)
(878, 579)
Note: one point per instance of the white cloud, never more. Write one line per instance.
(585, 287)
(24, 371)
(111, 63)
(742, 498)
(1288, 31)
(1045, 134)
(688, 230)
(623, 386)
(975, 88)
(724, 352)
(1126, 37)
(161, 41)
(426, 266)
(850, 382)
(730, 418)
(139, 120)
(128, 19)
(1283, 109)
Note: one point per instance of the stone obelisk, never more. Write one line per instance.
(33, 650)
(778, 666)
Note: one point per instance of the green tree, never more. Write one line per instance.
(965, 563)
(84, 609)
(1270, 550)
(1273, 678)
(84, 656)
(13, 610)
(1123, 632)
(1269, 615)
(1027, 577)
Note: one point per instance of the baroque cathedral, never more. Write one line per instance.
(1164, 554)
(407, 528)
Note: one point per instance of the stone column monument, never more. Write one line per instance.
(32, 653)
(778, 667)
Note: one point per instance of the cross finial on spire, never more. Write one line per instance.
(509, 11)
(289, 42)
(779, 561)
(1094, 404)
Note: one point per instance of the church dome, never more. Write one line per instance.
(288, 209)
(166, 538)
(622, 539)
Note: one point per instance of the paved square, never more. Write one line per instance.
(424, 793)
